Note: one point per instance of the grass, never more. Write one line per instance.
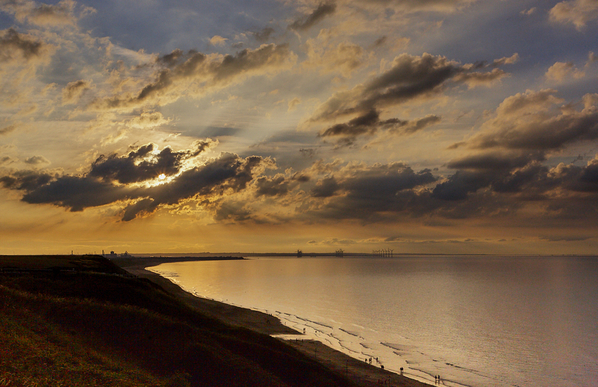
(90, 329)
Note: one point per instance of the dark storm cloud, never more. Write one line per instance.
(410, 77)
(579, 179)
(413, 126)
(590, 173)
(318, 14)
(369, 193)
(279, 185)
(461, 184)
(228, 173)
(499, 173)
(140, 165)
(370, 123)
(25, 180)
(532, 181)
(514, 143)
(106, 183)
(547, 134)
(325, 188)
(172, 59)
(367, 123)
(76, 193)
(13, 44)
(272, 186)
(533, 121)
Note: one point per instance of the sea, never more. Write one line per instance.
(473, 320)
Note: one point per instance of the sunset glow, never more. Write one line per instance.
(444, 126)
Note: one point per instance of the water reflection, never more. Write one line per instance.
(475, 320)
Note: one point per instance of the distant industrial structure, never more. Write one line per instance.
(383, 253)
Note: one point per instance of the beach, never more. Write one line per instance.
(358, 371)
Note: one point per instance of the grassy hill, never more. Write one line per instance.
(79, 321)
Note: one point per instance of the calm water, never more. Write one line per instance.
(476, 321)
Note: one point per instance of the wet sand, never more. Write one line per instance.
(360, 372)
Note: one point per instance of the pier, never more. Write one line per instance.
(383, 253)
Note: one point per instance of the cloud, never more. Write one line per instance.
(343, 58)
(370, 123)
(561, 70)
(530, 121)
(232, 211)
(37, 160)
(225, 174)
(147, 120)
(277, 185)
(51, 15)
(417, 5)
(368, 192)
(218, 40)
(114, 180)
(264, 34)
(325, 188)
(15, 47)
(367, 123)
(591, 58)
(528, 12)
(25, 180)
(7, 129)
(317, 15)
(514, 143)
(293, 103)
(496, 160)
(74, 90)
(76, 193)
(577, 12)
(567, 238)
(528, 179)
(192, 73)
(144, 163)
(459, 185)
(409, 78)
(505, 60)
(6, 160)
(481, 79)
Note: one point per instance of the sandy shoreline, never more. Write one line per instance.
(358, 371)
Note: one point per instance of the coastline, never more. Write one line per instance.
(230, 314)
(358, 371)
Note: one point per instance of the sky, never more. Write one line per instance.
(422, 126)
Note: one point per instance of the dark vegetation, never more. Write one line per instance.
(97, 326)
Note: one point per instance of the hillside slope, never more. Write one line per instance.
(86, 328)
